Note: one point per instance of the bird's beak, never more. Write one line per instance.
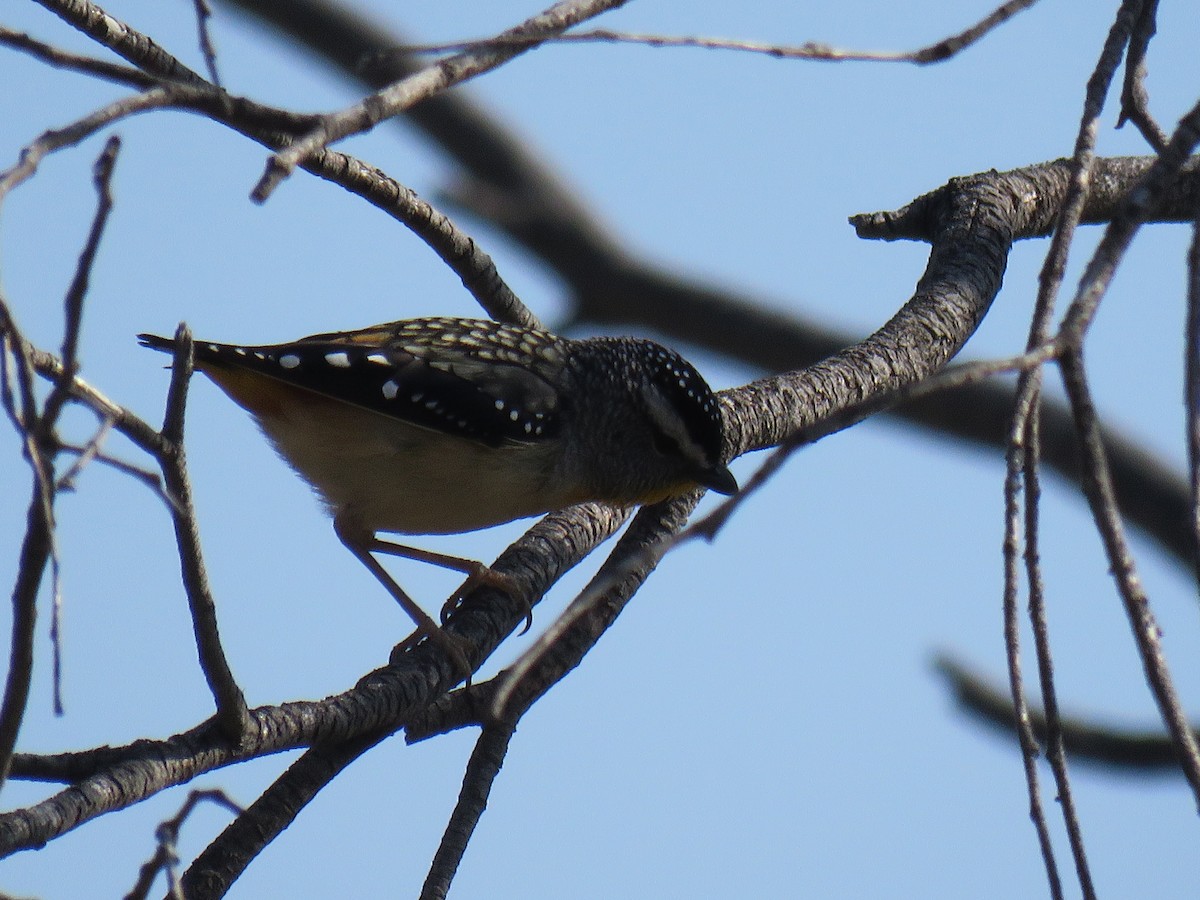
(719, 479)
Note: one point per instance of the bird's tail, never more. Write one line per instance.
(155, 342)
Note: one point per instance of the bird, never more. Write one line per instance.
(445, 425)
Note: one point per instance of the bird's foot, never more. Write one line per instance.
(484, 576)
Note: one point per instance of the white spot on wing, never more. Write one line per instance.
(339, 359)
(379, 359)
(289, 360)
(390, 389)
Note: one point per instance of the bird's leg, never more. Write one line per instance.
(478, 575)
(361, 544)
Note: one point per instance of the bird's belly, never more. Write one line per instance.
(398, 477)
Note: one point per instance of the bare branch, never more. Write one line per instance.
(219, 865)
(1055, 752)
(37, 429)
(232, 713)
(52, 408)
(810, 50)
(1146, 633)
(73, 302)
(166, 857)
(126, 42)
(1020, 460)
(73, 134)
(1192, 388)
(1135, 100)
(1098, 483)
(482, 769)
(37, 548)
(142, 434)
(207, 48)
(1023, 459)
(63, 59)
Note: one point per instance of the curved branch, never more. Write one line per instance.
(507, 184)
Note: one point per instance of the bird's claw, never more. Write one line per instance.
(487, 577)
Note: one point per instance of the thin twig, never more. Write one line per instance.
(1097, 483)
(86, 454)
(61, 391)
(207, 47)
(91, 452)
(810, 50)
(37, 548)
(232, 712)
(1136, 208)
(63, 59)
(1022, 462)
(1055, 753)
(139, 432)
(70, 135)
(73, 302)
(1192, 387)
(166, 857)
(1146, 633)
(1015, 463)
(1135, 100)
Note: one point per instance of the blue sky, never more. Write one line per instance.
(763, 720)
